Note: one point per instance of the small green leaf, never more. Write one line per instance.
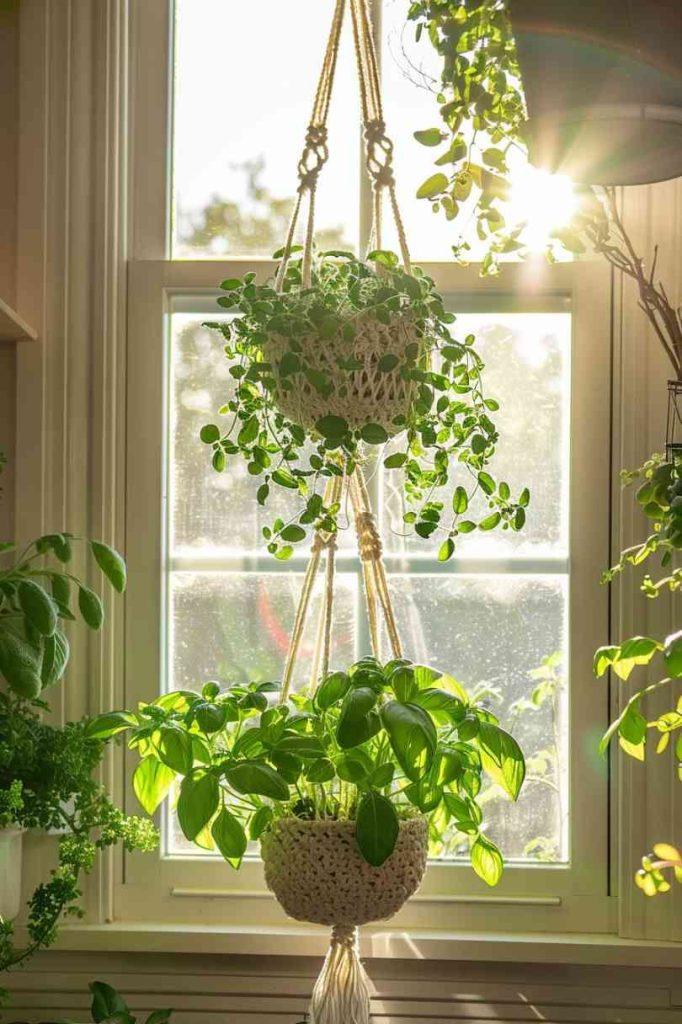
(373, 433)
(433, 186)
(209, 433)
(429, 136)
(333, 688)
(174, 748)
(332, 428)
(395, 461)
(259, 822)
(460, 501)
(248, 432)
(446, 550)
(501, 757)
(111, 564)
(293, 533)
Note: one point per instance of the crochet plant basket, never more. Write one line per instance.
(361, 396)
(315, 870)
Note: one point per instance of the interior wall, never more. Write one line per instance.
(9, 110)
(275, 990)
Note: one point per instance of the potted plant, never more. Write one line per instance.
(46, 772)
(326, 374)
(659, 496)
(351, 780)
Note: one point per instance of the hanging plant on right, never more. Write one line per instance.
(483, 124)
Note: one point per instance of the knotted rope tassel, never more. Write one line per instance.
(341, 993)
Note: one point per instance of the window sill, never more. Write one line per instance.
(378, 942)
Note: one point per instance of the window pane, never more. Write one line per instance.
(234, 627)
(527, 357)
(504, 639)
(202, 501)
(245, 77)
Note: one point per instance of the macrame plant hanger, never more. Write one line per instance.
(341, 993)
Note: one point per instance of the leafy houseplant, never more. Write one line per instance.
(660, 498)
(46, 783)
(326, 374)
(34, 604)
(373, 746)
(46, 772)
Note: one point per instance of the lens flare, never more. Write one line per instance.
(543, 201)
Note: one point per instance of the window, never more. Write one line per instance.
(207, 601)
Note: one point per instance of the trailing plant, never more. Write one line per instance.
(35, 601)
(370, 745)
(446, 431)
(660, 498)
(46, 783)
(483, 114)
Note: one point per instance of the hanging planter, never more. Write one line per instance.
(318, 874)
(339, 353)
(11, 850)
(359, 374)
(603, 87)
(344, 783)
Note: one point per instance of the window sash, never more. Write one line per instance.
(561, 896)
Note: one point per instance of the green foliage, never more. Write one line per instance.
(35, 602)
(447, 428)
(46, 782)
(659, 496)
(108, 1005)
(372, 745)
(482, 112)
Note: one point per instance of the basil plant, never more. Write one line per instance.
(372, 745)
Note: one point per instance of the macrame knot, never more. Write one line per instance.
(323, 542)
(379, 154)
(314, 156)
(345, 935)
(369, 541)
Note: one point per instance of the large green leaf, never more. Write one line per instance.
(20, 662)
(229, 836)
(174, 748)
(333, 688)
(198, 802)
(412, 735)
(103, 727)
(55, 658)
(151, 781)
(502, 757)
(486, 860)
(376, 828)
(351, 732)
(38, 607)
(253, 777)
(107, 1003)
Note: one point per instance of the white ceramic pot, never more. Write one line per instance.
(11, 848)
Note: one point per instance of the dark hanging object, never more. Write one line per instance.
(603, 86)
(673, 437)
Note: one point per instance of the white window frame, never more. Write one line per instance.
(191, 890)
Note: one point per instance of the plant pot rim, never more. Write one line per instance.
(342, 824)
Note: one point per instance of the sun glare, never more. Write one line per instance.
(543, 201)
